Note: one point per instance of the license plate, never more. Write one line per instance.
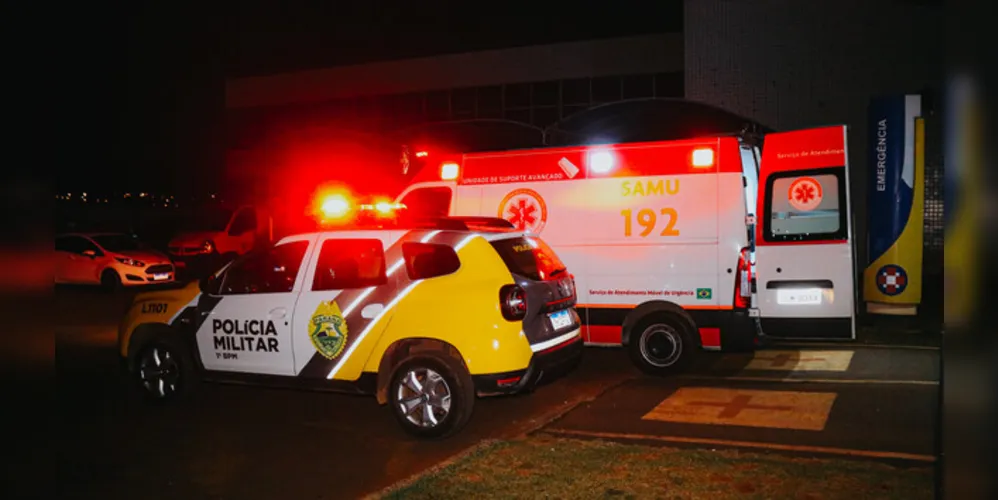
(161, 276)
(560, 319)
(792, 297)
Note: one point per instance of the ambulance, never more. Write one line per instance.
(677, 246)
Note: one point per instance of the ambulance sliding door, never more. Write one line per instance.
(804, 258)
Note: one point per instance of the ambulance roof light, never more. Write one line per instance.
(601, 162)
(449, 171)
(703, 158)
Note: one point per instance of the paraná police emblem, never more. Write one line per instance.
(328, 329)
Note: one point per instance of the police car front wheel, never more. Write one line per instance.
(662, 345)
(431, 397)
(162, 371)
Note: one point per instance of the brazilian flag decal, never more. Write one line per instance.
(703, 294)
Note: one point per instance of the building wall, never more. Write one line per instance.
(659, 53)
(799, 64)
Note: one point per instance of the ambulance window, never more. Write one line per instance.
(272, 270)
(346, 264)
(803, 206)
(428, 202)
(529, 257)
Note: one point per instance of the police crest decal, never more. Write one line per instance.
(328, 329)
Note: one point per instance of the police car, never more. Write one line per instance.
(426, 316)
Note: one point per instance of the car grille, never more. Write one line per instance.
(159, 268)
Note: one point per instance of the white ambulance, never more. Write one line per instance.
(662, 236)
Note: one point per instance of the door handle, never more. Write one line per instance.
(278, 313)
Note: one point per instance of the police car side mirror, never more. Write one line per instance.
(210, 284)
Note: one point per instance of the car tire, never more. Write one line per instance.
(447, 397)
(663, 344)
(110, 281)
(163, 370)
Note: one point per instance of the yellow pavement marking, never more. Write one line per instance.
(775, 409)
(747, 444)
(789, 360)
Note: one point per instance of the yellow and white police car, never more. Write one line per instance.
(424, 316)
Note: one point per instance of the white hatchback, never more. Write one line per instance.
(109, 259)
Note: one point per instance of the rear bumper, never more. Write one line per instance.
(546, 365)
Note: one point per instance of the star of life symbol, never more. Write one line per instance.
(805, 194)
(525, 209)
(892, 279)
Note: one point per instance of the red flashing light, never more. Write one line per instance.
(422, 154)
(335, 206)
(702, 158)
(449, 171)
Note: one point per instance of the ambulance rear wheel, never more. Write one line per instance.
(662, 344)
(431, 397)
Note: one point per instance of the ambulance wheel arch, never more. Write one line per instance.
(161, 362)
(652, 323)
(443, 375)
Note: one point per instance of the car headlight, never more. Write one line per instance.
(207, 246)
(130, 262)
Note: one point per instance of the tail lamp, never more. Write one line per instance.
(513, 302)
(743, 280)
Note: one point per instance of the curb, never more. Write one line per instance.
(540, 422)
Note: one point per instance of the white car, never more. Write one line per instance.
(109, 259)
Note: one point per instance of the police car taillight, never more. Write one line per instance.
(513, 302)
(743, 280)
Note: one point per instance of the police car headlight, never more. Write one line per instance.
(130, 262)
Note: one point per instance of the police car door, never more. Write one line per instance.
(804, 255)
(346, 299)
(246, 327)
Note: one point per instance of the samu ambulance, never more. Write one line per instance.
(424, 316)
(677, 245)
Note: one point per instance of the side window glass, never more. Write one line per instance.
(345, 264)
(427, 260)
(273, 270)
(805, 207)
(63, 245)
(428, 202)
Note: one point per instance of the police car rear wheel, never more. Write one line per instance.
(661, 345)
(431, 398)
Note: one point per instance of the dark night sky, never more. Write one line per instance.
(148, 105)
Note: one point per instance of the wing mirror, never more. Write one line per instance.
(210, 284)
(90, 253)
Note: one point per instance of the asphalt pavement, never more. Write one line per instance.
(863, 402)
(246, 442)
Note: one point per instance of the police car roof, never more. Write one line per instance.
(490, 228)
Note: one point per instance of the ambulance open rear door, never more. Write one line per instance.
(805, 279)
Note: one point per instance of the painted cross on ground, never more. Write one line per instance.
(787, 360)
(750, 408)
